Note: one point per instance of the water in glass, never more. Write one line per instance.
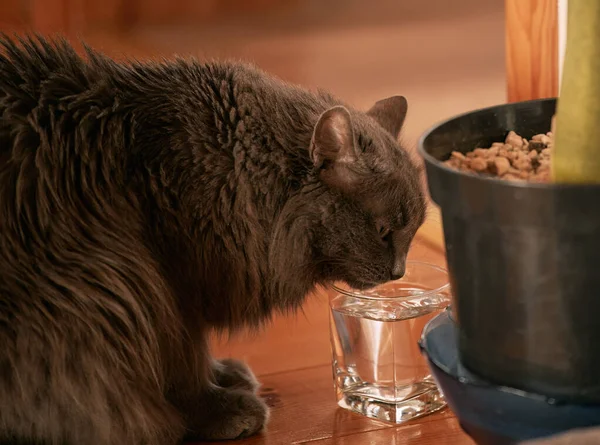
(378, 368)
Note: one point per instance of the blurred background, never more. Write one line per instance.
(445, 56)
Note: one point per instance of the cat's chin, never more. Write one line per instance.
(362, 285)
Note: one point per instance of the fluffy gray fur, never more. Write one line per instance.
(143, 205)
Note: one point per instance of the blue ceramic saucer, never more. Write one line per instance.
(490, 414)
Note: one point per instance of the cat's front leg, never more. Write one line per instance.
(232, 373)
(223, 404)
(223, 413)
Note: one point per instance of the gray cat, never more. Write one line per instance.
(143, 205)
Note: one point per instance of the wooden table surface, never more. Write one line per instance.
(292, 359)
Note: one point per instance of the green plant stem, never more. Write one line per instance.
(576, 153)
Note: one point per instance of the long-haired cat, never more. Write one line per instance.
(143, 205)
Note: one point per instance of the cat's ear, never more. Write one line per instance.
(390, 113)
(332, 149)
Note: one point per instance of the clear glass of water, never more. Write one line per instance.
(378, 368)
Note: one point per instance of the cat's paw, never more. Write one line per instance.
(231, 373)
(228, 414)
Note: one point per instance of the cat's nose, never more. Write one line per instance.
(398, 272)
(399, 268)
(397, 275)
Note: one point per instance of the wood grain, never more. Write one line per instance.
(531, 49)
(12, 12)
(107, 14)
(49, 16)
(52, 17)
(152, 12)
(439, 431)
(72, 17)
(304, 410)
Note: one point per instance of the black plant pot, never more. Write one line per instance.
(523, 260)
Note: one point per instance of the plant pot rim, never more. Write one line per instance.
(432, 161)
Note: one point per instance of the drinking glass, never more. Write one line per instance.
(377, 365)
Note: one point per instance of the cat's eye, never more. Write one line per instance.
(364, 143)
(384, 232)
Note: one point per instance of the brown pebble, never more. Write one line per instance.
(512, 156)
(513, 139)
(537, 145)
(479, 164)
(454, 163)
(523, 164)
(501, 165)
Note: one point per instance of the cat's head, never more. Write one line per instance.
(371, 201)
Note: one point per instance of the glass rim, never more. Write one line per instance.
(426, 293)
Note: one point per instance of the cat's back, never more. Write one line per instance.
(50, 101)
(67, 219)
(59, 172)
(37, 77)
